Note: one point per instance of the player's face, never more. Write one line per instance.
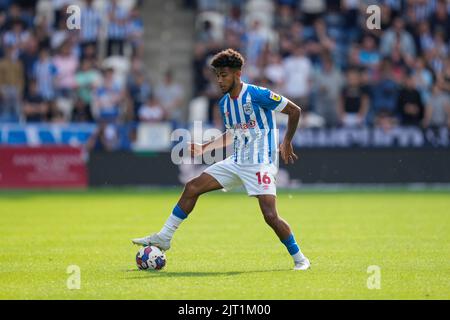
(226, 78)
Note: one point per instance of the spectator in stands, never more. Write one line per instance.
(213, 93)
(44, 71)
(284, 18)
(117, 27)
(315, 39)
(86, 79)
(11, 85)
(440, 19)
(399, 65)
(58, 116)
(108, 99)
(354, 102)
(424, 38)
(206, 33)
(319, 40)
(29, 56)
(41, 31)
(437, 112)
(35, 108)
(200, 68)
(59, 36)
(90, 25)
(255, 41)
(298, 70)
(297, 34)
(151, 110)
(234, 23)
(135, 31)
(398, 34)
(444, 78)
(14, 13)
(89, 52)
(139, 90)
(66, 65)
(286, 42)
(384, 94)
(422, 9)
(16, 37)
(105, 138)
(275, 71)
(369, 55)
(170, 94)
(327, 86)
(440, 44)
(350, 10)
(81, 112)
(410, 105)
(423, 78)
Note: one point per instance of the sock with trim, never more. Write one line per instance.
(172, 223)
(293, 248)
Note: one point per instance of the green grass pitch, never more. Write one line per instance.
(224, 250)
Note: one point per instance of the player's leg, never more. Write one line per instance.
(192, 190)
(267, 203)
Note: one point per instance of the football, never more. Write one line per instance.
(150, 258)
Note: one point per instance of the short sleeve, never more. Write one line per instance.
(269, 100)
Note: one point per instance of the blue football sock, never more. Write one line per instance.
(291, 245)
(178, 212)
(293, 248)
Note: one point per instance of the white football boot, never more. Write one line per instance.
(302, 265)
(153, 240)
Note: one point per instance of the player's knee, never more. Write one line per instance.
(191, 188)
(271, 217)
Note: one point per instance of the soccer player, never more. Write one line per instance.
(248, 113)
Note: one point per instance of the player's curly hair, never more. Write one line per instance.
(228, 58)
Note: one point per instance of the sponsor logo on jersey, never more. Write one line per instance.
(248, 108)
(251, 124)
(274, 96)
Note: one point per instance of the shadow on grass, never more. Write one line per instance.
(142, 274)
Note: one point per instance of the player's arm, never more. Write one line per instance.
(221, 141)
(287, 151)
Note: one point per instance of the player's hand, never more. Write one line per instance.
(196, 149)
(287, 152)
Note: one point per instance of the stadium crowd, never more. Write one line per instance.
(319, 53)
(53, 73)
(322, 55)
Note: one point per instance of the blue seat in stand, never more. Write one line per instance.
(17, 137)
(46, 137)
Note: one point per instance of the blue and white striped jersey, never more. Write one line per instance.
(117, 30)
(90, 24)
(250, 117)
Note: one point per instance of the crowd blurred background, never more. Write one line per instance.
(318, 53)
(321, 55)
(50, 73)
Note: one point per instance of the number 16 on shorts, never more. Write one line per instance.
(263, 179)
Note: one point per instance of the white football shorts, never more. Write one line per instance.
(258, 179)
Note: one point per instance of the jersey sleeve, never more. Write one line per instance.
(223, 112)
(268, 99)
